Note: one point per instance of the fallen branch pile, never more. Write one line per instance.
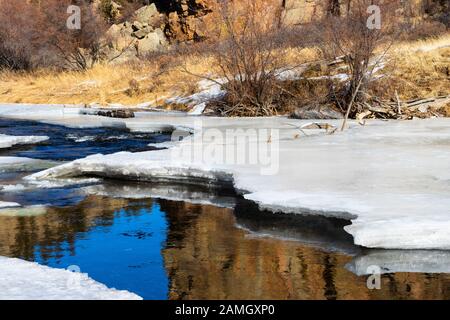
(405, 110)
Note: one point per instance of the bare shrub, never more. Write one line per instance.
(247, 57)
(134, 88)
(80, 48)
(32, 34)
(17, 35)
(362, 47)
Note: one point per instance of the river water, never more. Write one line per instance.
(123, 234)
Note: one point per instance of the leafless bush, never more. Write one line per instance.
(32, 34)
(80, 48)
(362, 45)
(247, 57)
(17, 35)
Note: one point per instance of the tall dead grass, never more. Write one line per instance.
(414, 69)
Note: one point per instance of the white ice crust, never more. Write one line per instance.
(4, 204)
(7, 141)
(392, 179)
(23, 280)
(23, 164)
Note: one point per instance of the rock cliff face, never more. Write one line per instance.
(189, 19)
(157, 23)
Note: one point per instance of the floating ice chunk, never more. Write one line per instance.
(12, 187)
(4, 204)
(337, 205)
(163, 145)
(77, 138)
(48, 184)
(7, 141)
(61, 183)
(23, 280)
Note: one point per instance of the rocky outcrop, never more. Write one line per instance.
(153, 26)
(138, 38)
(189, 19)
(110, 113)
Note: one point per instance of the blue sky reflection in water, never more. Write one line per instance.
(125, 253)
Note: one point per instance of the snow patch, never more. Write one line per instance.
(7, 141)
(23, 280)
(8, 204)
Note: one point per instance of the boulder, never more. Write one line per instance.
(119, 36)
(153, 41)
(149, 15)
(174, 28)
(141, 33)
(138, 25)
(111, 113)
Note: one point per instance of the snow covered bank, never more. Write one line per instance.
(4, 204)
(390, 178)
(23, 280)
(7, 141)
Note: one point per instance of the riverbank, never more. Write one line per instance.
(414, 69)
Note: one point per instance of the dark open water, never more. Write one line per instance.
(163, 249)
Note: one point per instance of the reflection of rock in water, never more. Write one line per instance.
(24, 237)
(326, 233)
(208, 257)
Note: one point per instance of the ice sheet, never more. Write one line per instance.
(23, 280)
(7, 141)
(392, 179)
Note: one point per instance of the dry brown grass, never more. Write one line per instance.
(418, 69)
(102, 84)
(415, 69)
(128, 84)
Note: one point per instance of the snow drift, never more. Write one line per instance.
(23, 280)
(7, 141)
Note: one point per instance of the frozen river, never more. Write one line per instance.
(384, 186)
